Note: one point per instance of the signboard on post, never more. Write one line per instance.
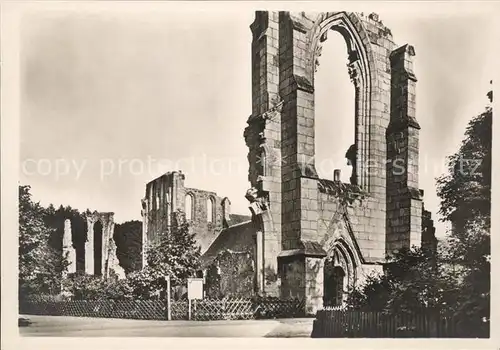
(195, 288)
(195, 291)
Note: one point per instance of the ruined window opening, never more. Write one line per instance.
(98, 228)
(167, 213)
(168, 208)
(263, 162)
(210, 210)
(189, 207)
(335, 104)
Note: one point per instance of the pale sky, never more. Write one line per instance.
(107, 96)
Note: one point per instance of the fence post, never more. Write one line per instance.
(224, 308)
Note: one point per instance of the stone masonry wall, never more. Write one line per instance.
(161, 196)
(300, 47)
(263, 138)
(292, 271)
(165, 195)
(368, 48)
(206, 230)
(404, 198)
(286, 49)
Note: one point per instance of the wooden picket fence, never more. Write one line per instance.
(359, 324)
(202, 310)
(245, 308)
(132, 309)
(279, 308)
(178, 309)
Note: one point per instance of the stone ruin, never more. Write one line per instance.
(317, 246)
(307, 243)
(100, 247)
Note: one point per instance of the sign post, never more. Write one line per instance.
(195, 291)
(169, 305)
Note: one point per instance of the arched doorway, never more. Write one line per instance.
(334, 277)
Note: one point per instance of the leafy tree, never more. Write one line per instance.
(411, 281)
(175, 253)
(465, 191)
(55, 218)
(457, 278)
(465, 194)
(90, 287)
(40, 265)
(85, 287)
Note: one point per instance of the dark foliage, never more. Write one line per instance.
(128, 238)
(40, 265)
(456, 280)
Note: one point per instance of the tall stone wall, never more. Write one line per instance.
(167, 194)
(206, 228)
(162, 197)
(297, 216)
(263, 138)
(404, 202)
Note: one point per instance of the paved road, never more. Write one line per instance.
(63, 326)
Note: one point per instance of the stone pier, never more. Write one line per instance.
(100, 248)
(68, 249)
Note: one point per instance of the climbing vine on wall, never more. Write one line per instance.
(212, 284)
(231, 274)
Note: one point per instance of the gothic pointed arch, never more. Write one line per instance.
(286, 49)
(265, 160)
(211, 211)
(362, 70)
(189, 206)
(340, 273)
(350, 240)
(100, 247)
